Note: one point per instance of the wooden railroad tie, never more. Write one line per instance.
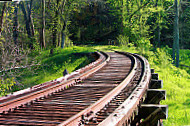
(154, 96)
(155, 84)
(151, 112)
(155, 76)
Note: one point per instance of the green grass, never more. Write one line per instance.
(176, 81)
(184, 57)
(52, 66)
(184, 60)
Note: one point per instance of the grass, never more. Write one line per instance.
(176, 81)
(52, 66)
(184, 60)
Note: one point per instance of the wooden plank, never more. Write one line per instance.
(155, 76)
(154, 96)
(152, 70)
(155, 84)
(150, 111)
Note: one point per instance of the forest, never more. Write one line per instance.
(38, 37)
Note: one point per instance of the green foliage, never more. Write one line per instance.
(160, 58)
(36, 47)
(52, 66)
(6, 85)
(184, 59)
(123, 40)
(68, 42)
(45, 67)
(136, 17)
(143, 45)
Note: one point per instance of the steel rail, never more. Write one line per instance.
(119, 115)
(129, 107)
(91, 110)
(28, 95)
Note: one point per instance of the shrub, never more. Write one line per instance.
(143, 45)
(6, 85)
(123, 40)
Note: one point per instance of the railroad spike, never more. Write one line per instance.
(9, 110)
(82, 117)
(4, 112)
(107, 113)
(83, 121)
(94, 120)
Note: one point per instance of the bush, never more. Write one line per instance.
(163, 58)
(143, 45)
(6, 85)
(123, 40)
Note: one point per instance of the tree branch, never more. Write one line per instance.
(138, 9)
(13, 68)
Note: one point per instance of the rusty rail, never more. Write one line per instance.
(25, 96)
(130, 106)
(119, 82)
(94, 108)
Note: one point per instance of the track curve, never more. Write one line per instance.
(90, 101)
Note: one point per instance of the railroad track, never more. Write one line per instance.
(113, 90)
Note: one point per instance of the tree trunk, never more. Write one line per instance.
(15, 23)
(26, 19)
(181, 25)
(158, 30)
(2, 15)
(158, 27)
(55, 29)
(43, 25)
(32, 25)
(176, 36)
(30, 18)
(63, 40)
(63, 36)
(27, 23)
(54, 33)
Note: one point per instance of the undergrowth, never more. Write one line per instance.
(51, 67)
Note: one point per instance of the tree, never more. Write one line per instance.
(43, 43)
(15, 23)
(29, 8)
(2, 15)
(28, 20)
(176, 35)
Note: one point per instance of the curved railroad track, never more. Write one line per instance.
(107, 92)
